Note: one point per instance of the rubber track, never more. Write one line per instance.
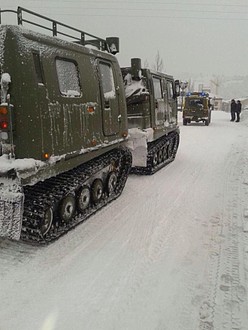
(52, 190)
(172, 143)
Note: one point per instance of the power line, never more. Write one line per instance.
(159, 16)
(142, 9)
(133, 2)
(81, 14)
(145, 2)
(159, 9)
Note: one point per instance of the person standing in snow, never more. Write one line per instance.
(233, 109)
(238, 110)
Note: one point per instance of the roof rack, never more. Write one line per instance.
(110, 44)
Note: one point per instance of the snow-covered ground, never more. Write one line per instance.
(170, 254)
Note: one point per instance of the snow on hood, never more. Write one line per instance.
(134, 87)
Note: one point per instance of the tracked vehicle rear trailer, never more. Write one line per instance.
(152, 117)
(63, 126)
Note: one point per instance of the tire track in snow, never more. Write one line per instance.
(149, 247)
(160, 242)
(12, 253)
(224, 303)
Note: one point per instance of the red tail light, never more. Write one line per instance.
(4, 125)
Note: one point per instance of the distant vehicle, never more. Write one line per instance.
(197, 108)
(63, 129)
(152, 117)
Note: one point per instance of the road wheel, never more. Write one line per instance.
(170, 150)
(155, 159)
(111, 182)
(185, 121)
(160, 156)
(67, 208)
(175, 145)
(46, 221)
(83, 198)
(164, 153)
(206, 122)
(97, 191)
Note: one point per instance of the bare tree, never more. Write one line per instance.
(158, 65)
(146, 64)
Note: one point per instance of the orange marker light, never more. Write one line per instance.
(91, 109)
(3, 110)
(93, 142)
(124, 134)
(46, 155)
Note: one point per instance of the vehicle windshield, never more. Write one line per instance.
(196, 103)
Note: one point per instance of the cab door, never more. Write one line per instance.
(109, 98)
(160, 109)
(171, 102)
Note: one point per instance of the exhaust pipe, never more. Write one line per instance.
(136, 68)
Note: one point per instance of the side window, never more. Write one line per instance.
(38, 68)
(68, 78)
(170, 90)
(157, 88)
(107, 79)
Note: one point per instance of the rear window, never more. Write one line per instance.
(170, 90)
(157, 88)
(107, 79)
(68, 78)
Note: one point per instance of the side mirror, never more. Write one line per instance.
(177, 88)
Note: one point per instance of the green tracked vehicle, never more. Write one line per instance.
(152, 117)
(63, 128)
(197, 108)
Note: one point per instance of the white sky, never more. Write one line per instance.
(194, 36)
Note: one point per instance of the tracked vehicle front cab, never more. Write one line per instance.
(152, 116)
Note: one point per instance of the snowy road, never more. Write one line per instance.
(170, 254)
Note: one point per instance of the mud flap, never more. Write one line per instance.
(11, 212)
